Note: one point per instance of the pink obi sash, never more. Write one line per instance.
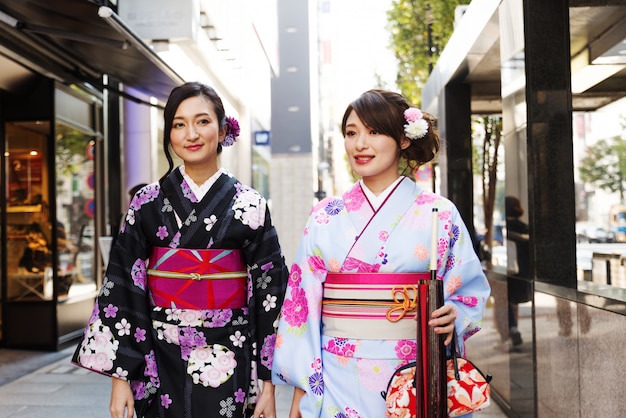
(378, 306)
(197, 279)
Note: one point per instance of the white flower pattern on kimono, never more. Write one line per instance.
(189, 317)
(167, 332)
(250, 209)
(98, 351)
(211, 365)
(269, 302)
(238, 339)
(123, 327)
(121, 373)
(210, 221)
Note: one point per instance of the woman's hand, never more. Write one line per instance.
(443, 321)
(266, 406)
(298, 394)
(121, 399)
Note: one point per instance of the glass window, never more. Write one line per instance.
(75, 207)
(599, 164)
(29, 237)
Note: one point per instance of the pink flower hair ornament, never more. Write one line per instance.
(416, 126)
(232, 131)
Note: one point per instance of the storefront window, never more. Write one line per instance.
(75, 209)
(29, 237)
(30, 229)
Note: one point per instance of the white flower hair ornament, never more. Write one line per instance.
(416, 126)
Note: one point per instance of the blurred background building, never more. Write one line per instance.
(554, 75)
(82, 90)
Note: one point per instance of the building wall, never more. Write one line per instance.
(562, 365)
(294, 141)
(291, 179)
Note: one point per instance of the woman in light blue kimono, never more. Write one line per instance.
(336, 342)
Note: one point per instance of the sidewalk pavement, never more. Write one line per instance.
(59, 389)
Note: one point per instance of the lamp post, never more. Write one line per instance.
(321, 167)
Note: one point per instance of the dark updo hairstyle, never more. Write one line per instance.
(177, 96)
(383, 111)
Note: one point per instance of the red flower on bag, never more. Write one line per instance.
(470, 393)
(401, 397)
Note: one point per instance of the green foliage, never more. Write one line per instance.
(420, 29)
(604, 165)
(71, 146)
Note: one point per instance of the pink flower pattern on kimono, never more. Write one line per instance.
(373, 373)
(295, 277)
(427, 198)
(316, 263)
(295, 310)
(354, 199)
(406, 350)
(352, 264)
(322, 218)
(318, 206)
(466, 300)
(340, 347)
(352, 413)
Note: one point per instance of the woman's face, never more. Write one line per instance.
(195, 134)
(372, 155)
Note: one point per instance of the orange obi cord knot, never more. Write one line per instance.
(404, 300)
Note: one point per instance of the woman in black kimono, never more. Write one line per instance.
(185, 320)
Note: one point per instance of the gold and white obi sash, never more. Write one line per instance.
(371, 305)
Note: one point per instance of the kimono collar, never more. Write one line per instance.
(374, 200)
(200, 190)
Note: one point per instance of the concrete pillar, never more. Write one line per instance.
(549, 141)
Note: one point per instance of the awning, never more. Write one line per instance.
(86, 41)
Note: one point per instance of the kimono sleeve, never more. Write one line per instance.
(297, 358)
(117, 340)
(268, 278)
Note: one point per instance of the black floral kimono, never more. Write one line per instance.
(185, 362)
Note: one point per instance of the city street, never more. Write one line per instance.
(62, 390)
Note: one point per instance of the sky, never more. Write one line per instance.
(359, 39)
(360, 47)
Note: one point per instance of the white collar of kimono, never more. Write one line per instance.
(374, 200)
(200, 190)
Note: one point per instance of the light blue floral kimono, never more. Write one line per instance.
(344, 377)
